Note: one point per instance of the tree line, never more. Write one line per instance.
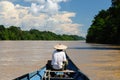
(15, 33)
(105, 27)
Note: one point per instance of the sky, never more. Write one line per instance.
(72, 17)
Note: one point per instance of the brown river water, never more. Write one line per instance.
(97, 61)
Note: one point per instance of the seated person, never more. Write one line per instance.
(59, 57)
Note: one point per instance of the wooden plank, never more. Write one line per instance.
(60, 71)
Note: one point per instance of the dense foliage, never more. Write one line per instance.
(106, 26)
(15, 33)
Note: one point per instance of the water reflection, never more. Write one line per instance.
(96, 48)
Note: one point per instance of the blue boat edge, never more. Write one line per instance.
(39, 74)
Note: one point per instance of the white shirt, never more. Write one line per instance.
(57, 59)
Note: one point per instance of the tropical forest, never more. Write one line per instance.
(15, 33)
(105, 27)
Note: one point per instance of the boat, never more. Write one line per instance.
(71, 73)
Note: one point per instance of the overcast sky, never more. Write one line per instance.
(59, 16)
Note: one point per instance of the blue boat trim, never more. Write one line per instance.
(40, 74)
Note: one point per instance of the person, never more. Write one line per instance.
(59, 57)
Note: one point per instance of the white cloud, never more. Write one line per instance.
(64, 17)
(6, 6)
(42, 16)
(9, 14)
(48, 6)
(43, 1)
(35, 1)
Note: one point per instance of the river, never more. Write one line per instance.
(97, 61)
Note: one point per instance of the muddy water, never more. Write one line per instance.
(97, 61)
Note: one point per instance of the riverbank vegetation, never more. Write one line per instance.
(15, 33)
(105, 27)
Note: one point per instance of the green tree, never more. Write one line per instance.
(105, 27)
(116, 3)
(15, 33)
(2, 29)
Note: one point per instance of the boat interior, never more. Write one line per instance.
(59, 75)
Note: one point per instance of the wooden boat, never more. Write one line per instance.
(71, 73)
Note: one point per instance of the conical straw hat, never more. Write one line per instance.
(60, 46)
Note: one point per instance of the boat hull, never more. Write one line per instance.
(40, 74)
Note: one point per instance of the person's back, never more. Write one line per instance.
(58, 57)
